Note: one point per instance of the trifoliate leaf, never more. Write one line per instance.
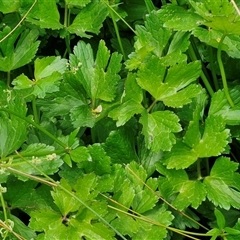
(44, 14)
(223, 184)
(159, 128)
(188, 192)
(98, 78)
(89, 19)
(151, 77)
(17, 54)
(13, 129)
(221, 107)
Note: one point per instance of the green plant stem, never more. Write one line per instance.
(66, 23)
(199, 169)
(8, 78)
(39, 127)
(75, 197)
(222, 71)
(213, 71)
(203, 76)
(117, 34)
(119, 17)
(152, 105)
(3, 207)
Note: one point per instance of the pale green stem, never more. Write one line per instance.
(3, 207)
(222, 71)
(117, 34)
(203, 76)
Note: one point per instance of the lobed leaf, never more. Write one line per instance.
(159, 128)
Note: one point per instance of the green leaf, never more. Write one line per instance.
(17, 54)
(98, 78)
(83, 116)
(41, 156)
(48, 72)
(21, 228)
(120, 146)
(173, 15)
(100, 162)
(159, 128)
(220, 218)
(220, 106)
(42, 16)
(219, 15)
(13, 129)
(153, 35)
(180, 42)
(46, 219)
(80, 154)
(151, 77)
(8, 6)
(188, 192)
(213, 142)
(214, 139)
(81, 3)
(89, 19)
(230, 43)
(131, 102)
(64, 202)
(223, 184)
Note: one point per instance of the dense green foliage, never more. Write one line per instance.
(119, 119)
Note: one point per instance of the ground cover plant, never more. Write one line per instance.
(119, 119)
